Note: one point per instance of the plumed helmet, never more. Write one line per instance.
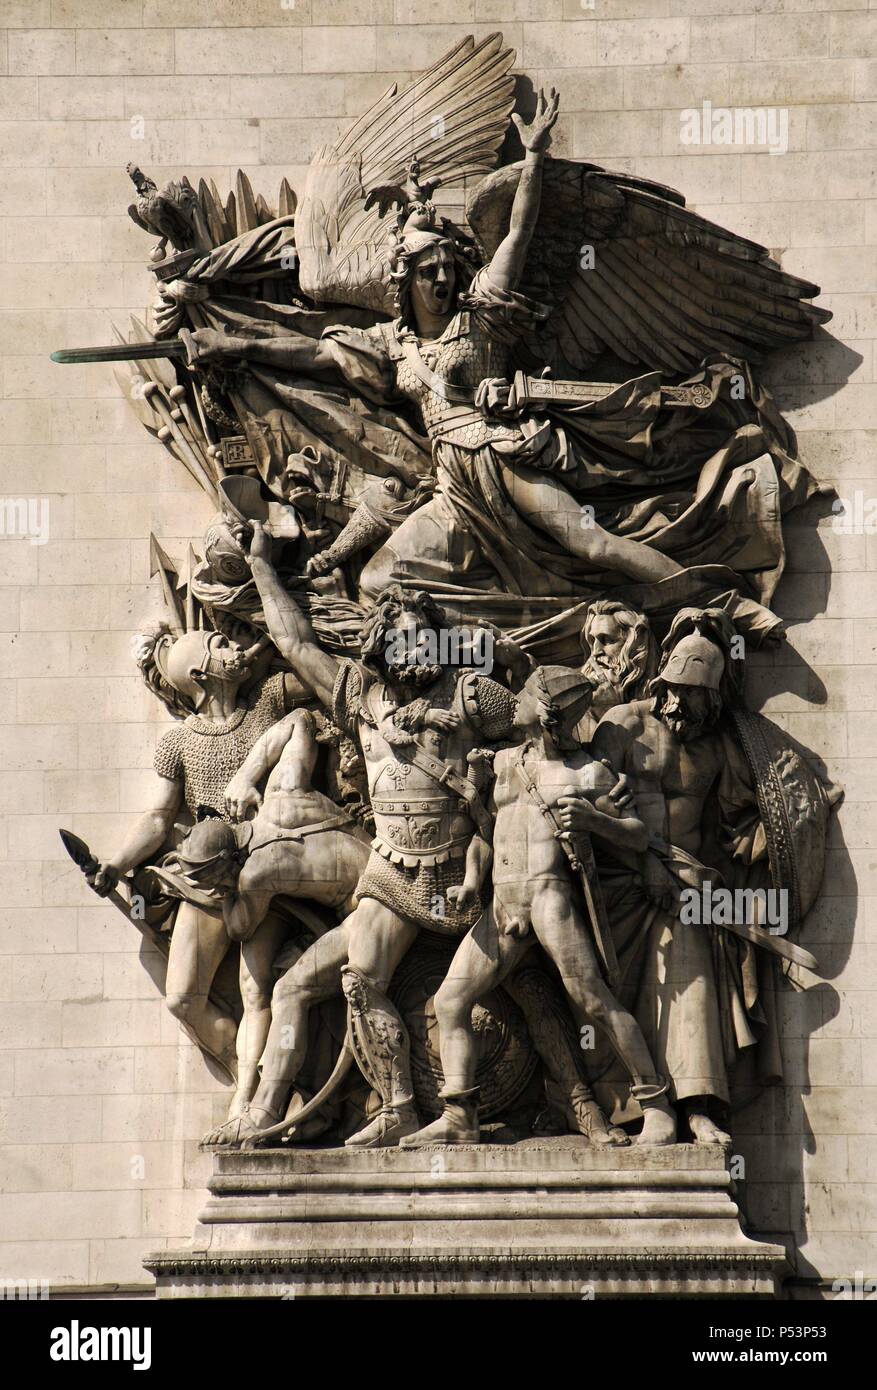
(694, 661)
(179, 658)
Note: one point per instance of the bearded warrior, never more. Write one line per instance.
(621, 658)
(534, 901)
(697, 761)
(642, 469)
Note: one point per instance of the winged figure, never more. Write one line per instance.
(482, 393)
(659, 484)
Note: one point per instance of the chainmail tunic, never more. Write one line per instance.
(205, 753)
(420, 894)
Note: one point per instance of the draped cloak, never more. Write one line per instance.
(706, 486)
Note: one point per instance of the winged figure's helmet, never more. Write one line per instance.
(417, 227)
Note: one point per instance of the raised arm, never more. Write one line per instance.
(510, 256)
(290, 630)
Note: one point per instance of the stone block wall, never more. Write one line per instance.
(101, 1096)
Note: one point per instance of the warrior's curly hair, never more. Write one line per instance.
(145, 644)
(392, 606)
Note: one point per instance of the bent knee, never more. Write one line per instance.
(291, 990)
(184, 1007)
(452, 1001)
(594, 1001)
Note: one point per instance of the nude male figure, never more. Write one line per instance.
(535, 901)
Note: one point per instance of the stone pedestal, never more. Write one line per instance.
(546, 1217)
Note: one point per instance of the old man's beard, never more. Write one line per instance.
(607, 679)
(413, 672)
(688, 715)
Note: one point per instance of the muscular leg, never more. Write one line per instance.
(548, 505)
(428, 542)
(198, 947)
(257, 983)
(315, 976)
(547, 1016)
(243, 910)
(482, 961)
(379, 939)
(563, 935)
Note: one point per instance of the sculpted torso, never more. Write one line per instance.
(670, 779)
(525, 846)
(411, 809)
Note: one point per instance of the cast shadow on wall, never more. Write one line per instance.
(778, 1134)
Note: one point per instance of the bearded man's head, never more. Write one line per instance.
(620, 652)
(687, 691)
(401, 637)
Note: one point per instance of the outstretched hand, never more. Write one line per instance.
(537, 135)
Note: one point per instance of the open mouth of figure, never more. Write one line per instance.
(441, 291)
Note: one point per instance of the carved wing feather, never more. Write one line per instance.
(453, 117)
(628, 269)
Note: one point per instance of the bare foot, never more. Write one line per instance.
(704, 1130)
(457, 1124)
(251, 1120)
(659, 1124)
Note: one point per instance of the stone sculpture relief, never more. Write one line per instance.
(462, 773)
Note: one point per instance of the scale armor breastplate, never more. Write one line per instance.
(464, 360)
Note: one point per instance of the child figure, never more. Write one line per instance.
(534, 901)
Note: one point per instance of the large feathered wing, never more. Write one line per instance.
(627, 269)
(453, 117)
